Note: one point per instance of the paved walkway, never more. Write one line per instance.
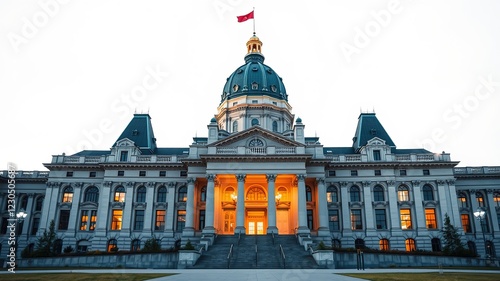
(251, 274)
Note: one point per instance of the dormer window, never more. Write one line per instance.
(255, 86)
(235, 87)
(376, 155)
(273, 88)
(123, 156)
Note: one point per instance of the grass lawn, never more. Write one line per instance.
(434, 276)
(83, 276)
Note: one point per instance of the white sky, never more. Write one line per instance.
(67, 67)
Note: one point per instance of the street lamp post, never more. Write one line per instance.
(479, 214)
(21, 215)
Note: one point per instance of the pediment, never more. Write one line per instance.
(125, 142)
(256, 136)
(376, 141)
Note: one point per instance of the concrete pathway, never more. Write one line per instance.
(250, 274)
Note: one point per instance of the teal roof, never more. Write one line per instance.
(254, 78)
(92, 153)
(368, 128)
(140, 131)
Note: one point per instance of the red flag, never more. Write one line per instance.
(245, 17)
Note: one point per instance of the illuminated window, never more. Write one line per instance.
(160, 220)
(67, 195)
(84, 220)
(112, 245)
(378, 193)
(410, 245)
(284, 193)
(228, 193)
(430, 218)
(466, 223)
(405, 219)
(480, 199)
(141, 194)
(182, 195)
(496, 198)
(428, 193)
(356, 220)
(384, 244)
(256, 194)
(119, 194)
(181, 220)
(162, 194)
(331, 194)
(93, 220)
(116, 220)
(355, 194)
(403, 194)
(462, 200)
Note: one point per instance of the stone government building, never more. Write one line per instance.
(256, 173)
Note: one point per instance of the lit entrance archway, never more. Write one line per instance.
(256, 211)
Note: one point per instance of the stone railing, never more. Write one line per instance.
(112, 158)
(388, 158)
(27, 174)
(476, 170)
(269, 150)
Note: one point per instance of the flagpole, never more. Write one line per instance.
(253, 20)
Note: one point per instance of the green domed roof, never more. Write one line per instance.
(254, 78)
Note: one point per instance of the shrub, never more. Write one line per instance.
(188, 246)
(68, 249)
(151, 245)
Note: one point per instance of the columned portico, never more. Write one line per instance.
(301, 186)
(189, 227)
(240, 205)
(271, 207)
(323, 229)
(209, 224)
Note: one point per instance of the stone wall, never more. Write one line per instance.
(147, 260)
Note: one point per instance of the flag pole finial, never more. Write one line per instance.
(253, 11)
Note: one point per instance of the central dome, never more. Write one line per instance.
(254, 78)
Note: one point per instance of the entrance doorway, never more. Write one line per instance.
(256, 221)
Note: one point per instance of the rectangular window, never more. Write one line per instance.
(181, 220)
(354, 172)
(123, 156)
(142, 173)
(380, 219)
(163, 173)
(84, 220)
(34, 227)
(121, 173)
(405, 215)
(402, 172)
(160, 220)
(139, 220)
(426, 172)
(92, 174)
(67, 197)
(333, 218)
(356, 220)
(331, 173)
(378, 172)
(69, 174)
(255, 101)
(63, 220)
(376, 155)
(93, 220)
(403, 195)
(310, 219)
(201, 224)
(184, 173)
(430, 218)
(466, 223)
(116, 220)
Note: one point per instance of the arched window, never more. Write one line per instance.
(162, 194)
(255, 121)
(112, 245)
(235, 126)
(410, 245)
(82, 245)
(428, 193)
(331, 194)
(255, 86)
(384, 244)
(256, 194)
(436, 244)
(24, 202)
(67, 194)
(275, 126)
(480, 199)
(359, 243)
(119, 194)
(58, 243)
(141, 194)
(472, 247)
(378, 193)
(39, 203)
(92, 194)
(203, 194)
(135, 245)
(283, 193)
(336, 244)
(309, 196)
(403, 193)
(462, 200)
(496, 198)
(228, 193)
(182, 195)
(355, 194)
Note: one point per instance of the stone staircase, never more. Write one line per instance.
(245, 255)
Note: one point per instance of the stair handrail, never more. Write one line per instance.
(282, 255)
(256, 255)
(229, 255)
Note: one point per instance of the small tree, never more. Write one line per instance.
(45, 243)
(152, 245)
(188, 246)
(452, 243)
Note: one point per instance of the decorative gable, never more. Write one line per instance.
(256, 137)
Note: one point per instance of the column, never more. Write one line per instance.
(45, 209)
(271, 206)
(171, 216)
(492, 214)
(54, 200)
(303, 229)
(127, 210)
(393, 207)
(367, 199)
(73, 224)
(323, 229)
(29, 211)
(148, 210)
(452, 195)
(419, 216)
(209, 207)
(189, 227)
(103, 210)
(240, 205)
